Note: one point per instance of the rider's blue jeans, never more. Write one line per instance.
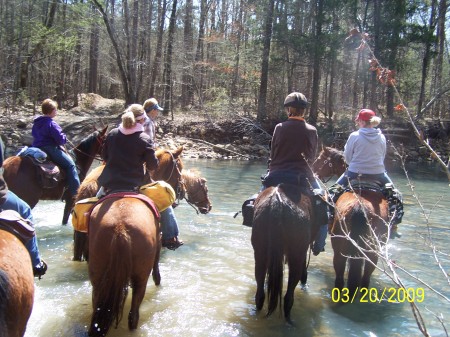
(169, 224)
(13, 202)
(344, 179)
(63, 160)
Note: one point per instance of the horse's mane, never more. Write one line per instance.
(191, 178)
(334, 153)
(164, 156)
(86, 143)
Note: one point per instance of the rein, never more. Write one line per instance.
(76, 149)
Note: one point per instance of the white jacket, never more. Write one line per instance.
(365, 150)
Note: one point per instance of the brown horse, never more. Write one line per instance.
(170, 167)
(196, 191)
(16, 286)
(359, 229)
(282, 230)
(359, 226)
(20, 174)
(329, 163)
(124, 247)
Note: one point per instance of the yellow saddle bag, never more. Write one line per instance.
(160, 192)
(80, 214)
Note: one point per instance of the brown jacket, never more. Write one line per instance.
(125, 156)
(293, 141)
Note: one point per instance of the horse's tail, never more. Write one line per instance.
(275, 252)
(112, 291)
(358, 230)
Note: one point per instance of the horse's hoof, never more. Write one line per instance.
(304, 286)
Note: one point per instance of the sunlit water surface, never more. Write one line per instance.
(208, 287)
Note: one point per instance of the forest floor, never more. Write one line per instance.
(203, 134)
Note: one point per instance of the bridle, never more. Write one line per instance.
(325, 163)
(189, 196)
(180, 190)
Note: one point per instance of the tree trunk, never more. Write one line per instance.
(426, 57)
(167, 96)
(28, 59)
(199, 54)
(262, 113)
(158, 52)
(187, 92)
(129, 99)
(318, 53)
(93, 58)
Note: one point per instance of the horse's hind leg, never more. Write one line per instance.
(260, 276)
(296, 266)
(137, 298)
(368, 270)
(354, 274)
(339, 262)
(155, 274)
(304, 277)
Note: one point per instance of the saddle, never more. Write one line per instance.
(49, 175)
(12, 222)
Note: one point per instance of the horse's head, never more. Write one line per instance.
(197, 191)
(169, 169)
(330, 162)
(90, 148)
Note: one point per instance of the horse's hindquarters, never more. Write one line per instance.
(123, 249)
(17, 283)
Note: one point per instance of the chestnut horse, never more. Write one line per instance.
(16, 286)
(170, 166)
(124, 247)
(282, 230)
(20, 174)
(359, 227)
(196, 191)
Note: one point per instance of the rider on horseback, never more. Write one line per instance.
(48, 136)
(10, 201)
(293, 150)
(364, 153)
(169, 223)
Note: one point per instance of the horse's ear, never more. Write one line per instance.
(177, 152)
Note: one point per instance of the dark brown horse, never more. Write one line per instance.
(282, 231)
(16, 286)
(196, 190)
(170, 167)
(359, 227)
(124, 248)
(329, 163)
(21, 178)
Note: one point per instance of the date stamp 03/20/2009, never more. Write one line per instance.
(374, 295)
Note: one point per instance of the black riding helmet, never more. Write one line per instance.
(296, 100)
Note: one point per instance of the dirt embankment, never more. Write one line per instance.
(202, 135)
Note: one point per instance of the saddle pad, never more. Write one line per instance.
(160, 192)
(80, 214)
(12, 222)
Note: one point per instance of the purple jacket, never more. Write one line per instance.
(46, 132)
